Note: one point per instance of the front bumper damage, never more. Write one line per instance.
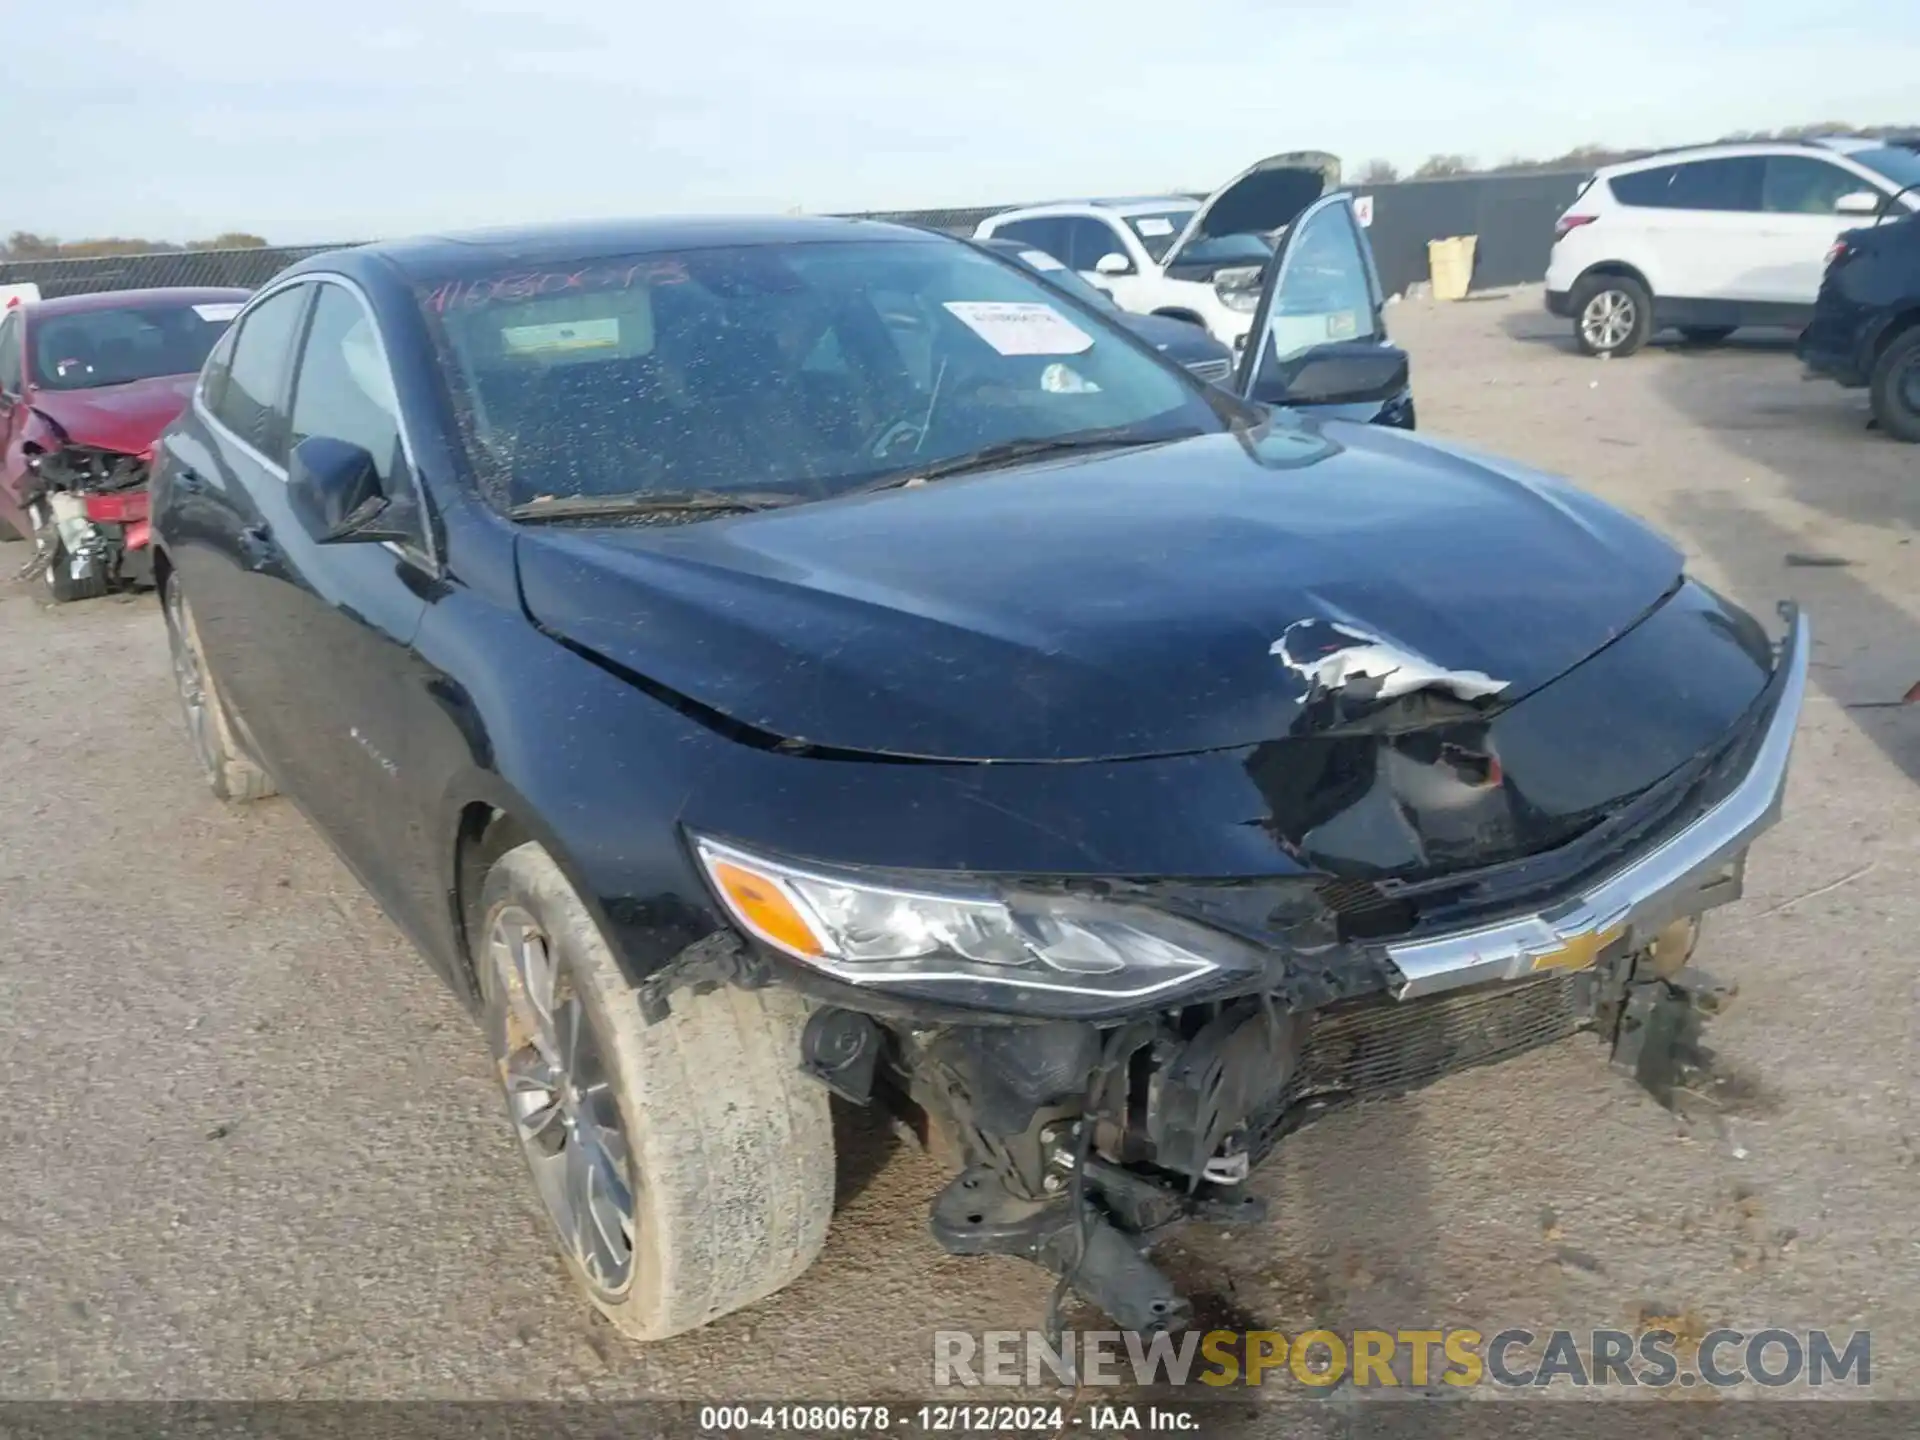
(1078, 1146)
(89, 509)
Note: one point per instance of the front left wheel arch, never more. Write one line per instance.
(485, 819)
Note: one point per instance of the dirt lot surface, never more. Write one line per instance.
(252, 1148)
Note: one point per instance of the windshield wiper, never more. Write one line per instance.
(649, 502)
(1010, 452)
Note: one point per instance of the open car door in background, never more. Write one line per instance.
(1319, 337)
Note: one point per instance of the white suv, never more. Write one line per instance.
(1194, 260)
(1709, 239)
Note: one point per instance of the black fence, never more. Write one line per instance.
(247, 269)
(1512, 214)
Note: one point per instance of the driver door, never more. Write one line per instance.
(1319, 336)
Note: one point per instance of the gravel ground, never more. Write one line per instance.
(252, 1149)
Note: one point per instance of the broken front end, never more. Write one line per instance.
(89, 512)
(1103, 1059)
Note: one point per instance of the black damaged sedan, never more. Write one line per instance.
(760, 661)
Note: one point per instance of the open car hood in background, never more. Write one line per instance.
(1261, 199)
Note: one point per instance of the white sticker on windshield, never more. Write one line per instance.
(1041, 260)
(566, 335)
(221, 311)
(1060, 378)
(1151, 225)
(1022, 327)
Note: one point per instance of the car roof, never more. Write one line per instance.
(596, 239)
(1832, 144)
(132, 299)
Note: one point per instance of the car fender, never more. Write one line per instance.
(1633, 259)
(1880, 332)
(529, 740)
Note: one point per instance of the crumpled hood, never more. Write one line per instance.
(127, 418)
(1179, 598)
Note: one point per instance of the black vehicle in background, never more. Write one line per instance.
(763, 659)
(1181, 341)
(1866, 322)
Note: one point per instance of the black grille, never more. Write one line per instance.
(1384, 1047)
(1212, 371)
(1364, 911)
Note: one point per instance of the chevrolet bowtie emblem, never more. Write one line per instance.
(1579, 952)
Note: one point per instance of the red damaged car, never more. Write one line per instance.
(87, 383)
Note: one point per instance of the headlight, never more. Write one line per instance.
(970, 943)
(1239, 288)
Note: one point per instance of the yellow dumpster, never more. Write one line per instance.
(1451, 263)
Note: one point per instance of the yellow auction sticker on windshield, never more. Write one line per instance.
(566, 335)
(1021, 327)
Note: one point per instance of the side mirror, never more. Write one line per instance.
(1113, 263)
(1338, 373)
(333, 488)
(1858, 202)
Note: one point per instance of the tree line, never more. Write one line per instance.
(1592, 157)
(25, 245)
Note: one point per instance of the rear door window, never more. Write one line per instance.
(1642, 188)
(1729, 184)
(253, 402)
(1732, 183)
(1048, 233)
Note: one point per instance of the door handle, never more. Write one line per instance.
(187, 482)
(258, 547)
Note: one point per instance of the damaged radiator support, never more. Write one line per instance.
(1213, 1104)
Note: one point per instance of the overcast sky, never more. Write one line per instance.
(364, 118)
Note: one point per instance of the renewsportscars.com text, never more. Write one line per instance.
(1514, 1358)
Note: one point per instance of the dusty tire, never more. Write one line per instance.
(1612, 315)
(1895, 387)
(231, 774)
(728, 1148)
(1705, 334)
(62, 587)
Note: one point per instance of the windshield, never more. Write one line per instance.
(90, 349)
(1158, 231)
(798, 370)
(1899, 165)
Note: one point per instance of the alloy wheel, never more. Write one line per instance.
(1608, 319)
(189, 678)
(561, 1099)
(1906, 384)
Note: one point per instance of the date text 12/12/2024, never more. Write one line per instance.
(947, 1419)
